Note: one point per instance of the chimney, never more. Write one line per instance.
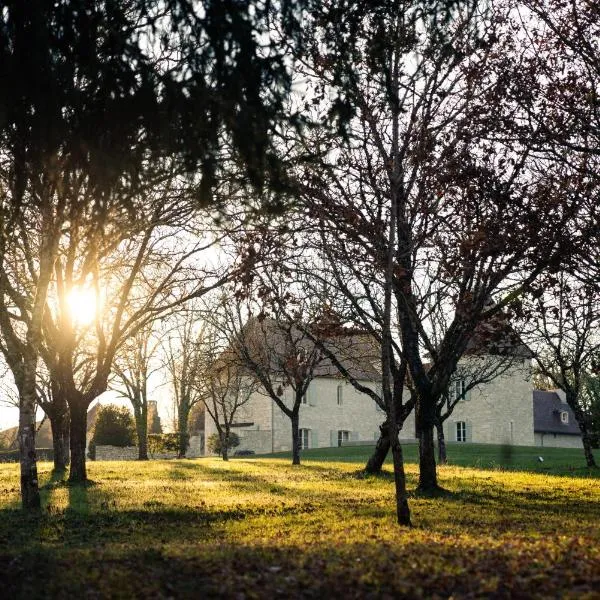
(561, 394)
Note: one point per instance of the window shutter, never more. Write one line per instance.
(354, 436)
(311, 396)
(333, 438)
(451, 431)
(467, 395)
(314, 442)
(469, 428)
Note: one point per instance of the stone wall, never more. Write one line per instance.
(195, 450)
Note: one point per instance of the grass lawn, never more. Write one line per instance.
(260, 528)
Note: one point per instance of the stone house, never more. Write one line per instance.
(554, 423)
(502, 410)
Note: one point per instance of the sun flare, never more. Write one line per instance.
(82, 305)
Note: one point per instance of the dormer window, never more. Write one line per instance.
(564, 417)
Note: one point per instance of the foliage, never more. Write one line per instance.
(114, 427)
(317, 530)
(213, 443)
(162, 443)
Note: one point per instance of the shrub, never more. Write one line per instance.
(161, 443)
(213, 443)
(114, 427)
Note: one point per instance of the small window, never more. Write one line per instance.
(458, 390)
(564, 417)
(343, 436)
(304, 438)
(461, 431)
(340, 395)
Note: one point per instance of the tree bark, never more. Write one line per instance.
(402, 508)
(586, 438)
(60, 424)
(427, 467)
(30, 493)
(376, 460)
(295, 418)
(78, 471)
(583, 422)
(141, 426)
(442, 457)
(183, 438)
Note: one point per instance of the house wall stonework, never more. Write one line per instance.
(557, 440)
(498, 412)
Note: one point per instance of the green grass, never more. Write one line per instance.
(556, 461)
(260, 528)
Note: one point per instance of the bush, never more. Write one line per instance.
(114, 427)
(213, 443)
(161, 443)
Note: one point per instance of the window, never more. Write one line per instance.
(458, 390)
(564, 417)
(304, 398)
(304, 438)
(461, 431)
(343, 436)
(340, 395)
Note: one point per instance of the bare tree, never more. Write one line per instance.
(564, 333)
(226, 388)
(183, 349)
(135, 363)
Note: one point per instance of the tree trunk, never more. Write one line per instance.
(586, 438)
(376, 460)
(183, 438)
(60, 423)
(442, 457)
(141, 427)
(78, 472)
(402, 508)
(584, 426)
(295, 438)
(427, 467)
(224, 452)
(30, 493)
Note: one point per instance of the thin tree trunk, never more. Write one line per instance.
(78, 471)
(141, 426)
(30, 493)
(586, 438)
(376, 460)
(183, 438)
(295, 438)
(60, 423)
(442, 457)
(427, 467)
(583, 422)
(402, 508)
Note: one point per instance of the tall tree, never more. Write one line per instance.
(95, 92)
(183, 351)
(134, 364)
(423, 196)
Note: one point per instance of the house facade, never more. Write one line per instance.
(505, 410)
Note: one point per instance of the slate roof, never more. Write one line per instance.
(547, 407)
(355, 349)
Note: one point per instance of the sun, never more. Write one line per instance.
(82, 305)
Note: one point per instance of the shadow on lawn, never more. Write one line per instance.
(414, 569)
